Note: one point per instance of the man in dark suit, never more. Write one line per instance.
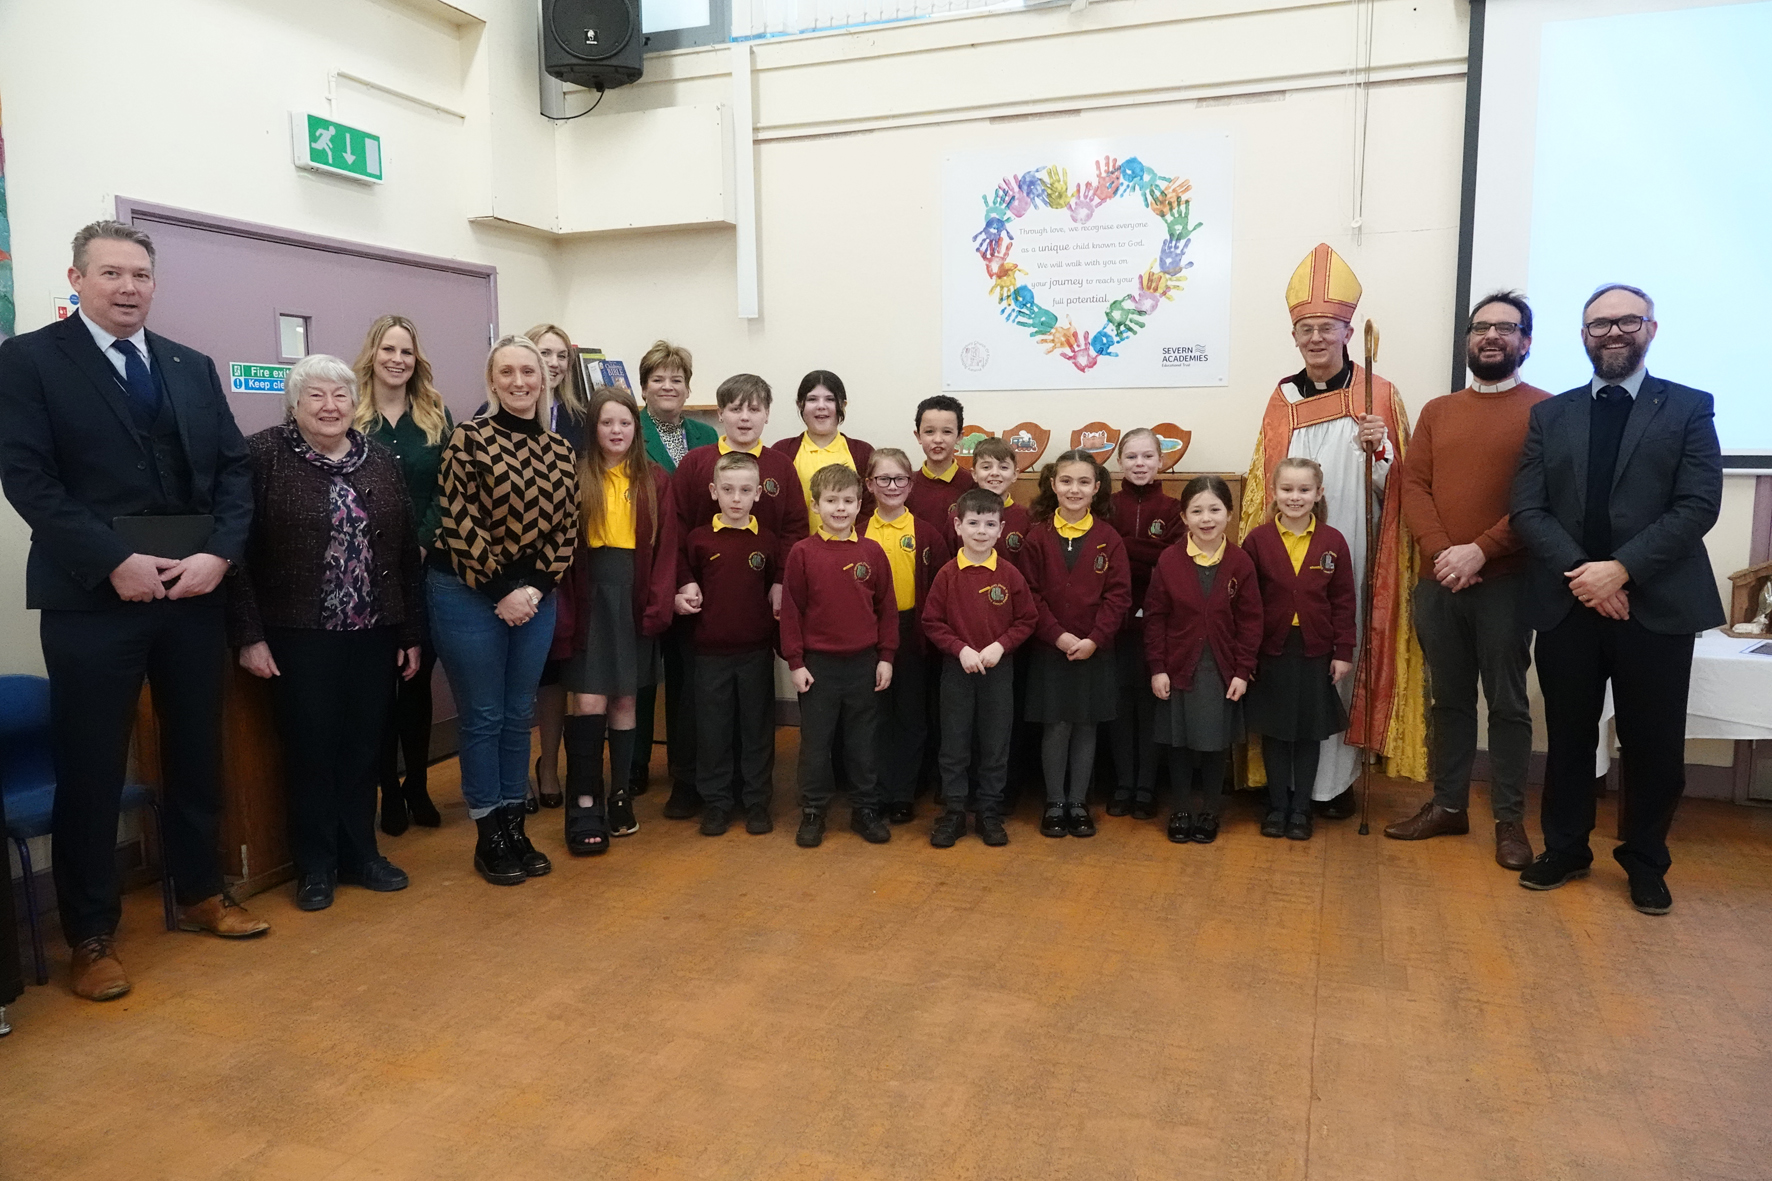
(1619, 481)
(100, 420)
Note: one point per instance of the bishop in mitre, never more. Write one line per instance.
(1319, 413)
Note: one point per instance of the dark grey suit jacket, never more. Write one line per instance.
(1666, 492)
(70, 459)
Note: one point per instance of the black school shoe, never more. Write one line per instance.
(1649, 892)
(991, 830)
(1052, 822)
(379, 875)
(1078, 821)
(1550, 870)
(1181, 828)
(870, 824)
(684, 803)
(621, 815)
(715, 820)
(1205, 829)
(1144, 806)
(314, 890)
(811, 834)
(758, 821)
(1274, 823)
(1120, 803)
(1298, 827)
(535, 863)
(1339, 808)
(949, 827)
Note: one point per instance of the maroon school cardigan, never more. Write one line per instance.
(1179, 619)
(781, 507)
(1090, 599)
(655, 568)
(859, 451)
(1149, 520)
(1321, 594)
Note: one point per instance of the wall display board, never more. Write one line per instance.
(1093, 264)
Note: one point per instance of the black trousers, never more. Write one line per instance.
(12, 972)
(96, 662)
(903, 728)
(1650, 674)
(735, 710)
(1477, 634)
(977, 715)
(841, 698)
(407, 732)
(331, 703)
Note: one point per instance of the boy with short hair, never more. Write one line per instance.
(733, 578)
(839, 634)
(743, 401)
(979, 611)
(993, 469)
(940, 481)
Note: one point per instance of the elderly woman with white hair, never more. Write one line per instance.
(330, 595)
(508, 494)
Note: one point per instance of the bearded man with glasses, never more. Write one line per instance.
(1619, 481)
(1455, 484)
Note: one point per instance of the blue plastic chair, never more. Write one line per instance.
(27, 777)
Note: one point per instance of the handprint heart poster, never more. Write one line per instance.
(1093, 264)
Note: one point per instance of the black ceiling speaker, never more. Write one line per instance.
(595, 43)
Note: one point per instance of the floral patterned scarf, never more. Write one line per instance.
(347, 599)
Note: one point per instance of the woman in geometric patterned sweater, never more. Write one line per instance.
(508, 492)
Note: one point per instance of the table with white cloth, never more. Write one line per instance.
(1731, 695)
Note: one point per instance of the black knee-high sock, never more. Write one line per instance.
(582, 737)
(1211, 780)
(1304, 774)
(621, 756)
(1082, 761)
(1055, 745)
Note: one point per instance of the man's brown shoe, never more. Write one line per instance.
(221, 915)
(1431, 821)
(98, 975)
(1512, 849)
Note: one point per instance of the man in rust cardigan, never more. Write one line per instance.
(1456, 482)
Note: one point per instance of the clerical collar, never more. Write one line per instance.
(1630, 385)
(1500, 387)
(1307, 387)
(510, 422)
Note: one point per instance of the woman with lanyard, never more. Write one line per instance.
(669, 435)
(823, 404)
(509, 518)
(405, 413)
(567, 398)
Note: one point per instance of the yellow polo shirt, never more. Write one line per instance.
(898, 537)
(720, 523)
(1069, 531)
(617, 528)
(1297, 545)
(966, 563)
(945, 477)
(810, 457)
(754, 449)
(1201, 557)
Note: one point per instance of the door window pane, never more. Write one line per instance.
(292, 336)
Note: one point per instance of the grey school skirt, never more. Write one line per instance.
(618, 659)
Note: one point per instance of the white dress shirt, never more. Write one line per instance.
(1630, 384)
(104, 339)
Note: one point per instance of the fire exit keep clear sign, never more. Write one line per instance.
(326, 145)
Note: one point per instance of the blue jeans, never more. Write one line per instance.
(493, 670)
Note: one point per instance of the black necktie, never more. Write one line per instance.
(139, 384)
(1612, 406)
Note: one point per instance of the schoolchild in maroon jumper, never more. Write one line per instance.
(1149, 520)
(839, 634)
(733, 577)
(744, 400)
(1076, 564)
(1202, 626)
(979, 611)
(915, 549)
(1307, 647)
(941, 479)
(993, 469)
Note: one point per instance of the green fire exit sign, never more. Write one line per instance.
(326, 145)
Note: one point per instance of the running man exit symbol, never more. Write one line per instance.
(326, 145)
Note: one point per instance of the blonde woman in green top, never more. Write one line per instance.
(405, 413)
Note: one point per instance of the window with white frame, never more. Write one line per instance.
(756, 19)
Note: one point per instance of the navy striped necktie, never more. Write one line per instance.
(139, 384)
